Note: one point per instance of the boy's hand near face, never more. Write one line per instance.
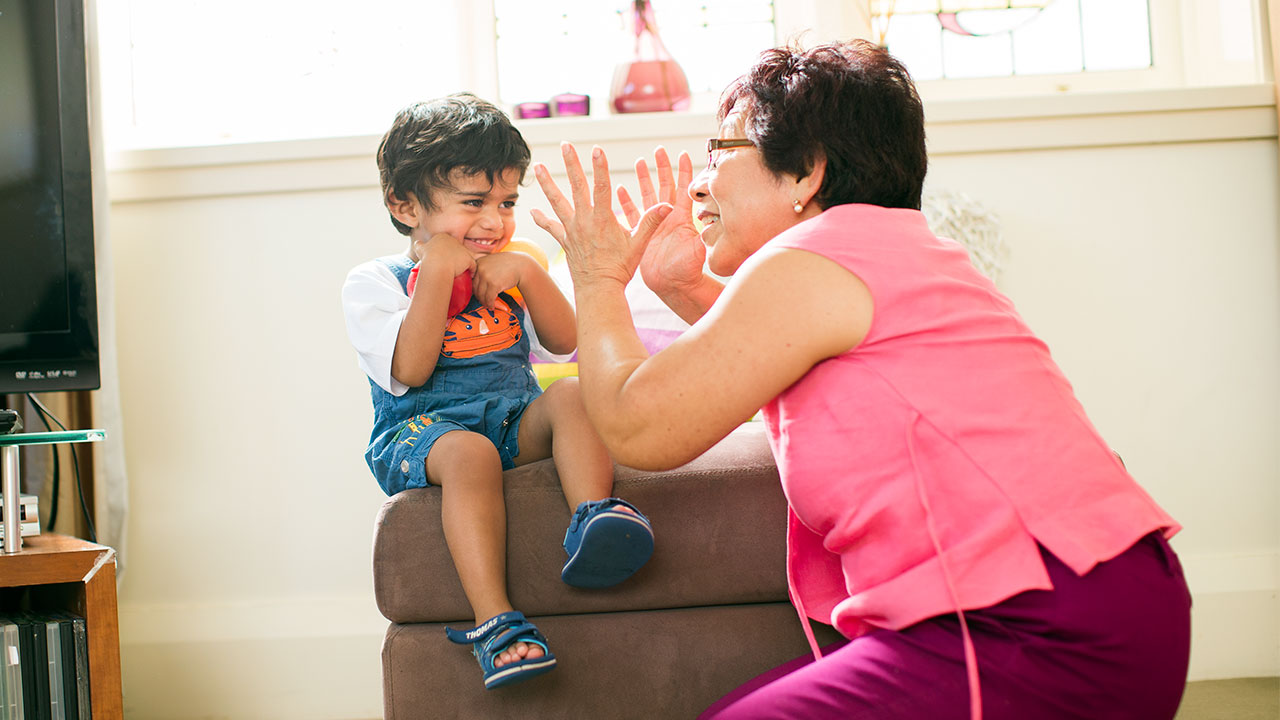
(550, 311)
(443, 250)
(440, 259)
(499, 272)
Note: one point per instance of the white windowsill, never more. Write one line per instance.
(953, 126)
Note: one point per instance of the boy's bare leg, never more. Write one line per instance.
(556, 424)
(468, 470)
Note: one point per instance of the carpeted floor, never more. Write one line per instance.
(1236, 699)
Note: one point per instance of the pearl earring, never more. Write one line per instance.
(797, 206)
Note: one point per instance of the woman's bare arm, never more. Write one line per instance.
(783, 312)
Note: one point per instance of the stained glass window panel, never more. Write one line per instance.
(1050, 45)
(988, 22)
(966, 57)
(1116, 34)
(917, 41)
(995, 38)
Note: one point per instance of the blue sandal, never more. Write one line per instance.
(490, 638)
(605, 545)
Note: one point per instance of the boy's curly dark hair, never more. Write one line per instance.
(431, 139)
(852, 103)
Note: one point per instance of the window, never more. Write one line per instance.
(982, 38)
(538, 40)
(195, 72)
(184, 72)
(199, 71)
(968, 48)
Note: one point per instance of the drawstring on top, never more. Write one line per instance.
(970, 654)
(792, 520)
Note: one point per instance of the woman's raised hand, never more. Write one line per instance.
(596, 245)
(675, 256)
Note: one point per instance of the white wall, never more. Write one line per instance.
(1143, 234)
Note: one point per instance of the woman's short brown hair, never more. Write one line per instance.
(852, 103)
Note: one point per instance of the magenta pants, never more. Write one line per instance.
(1112, 644)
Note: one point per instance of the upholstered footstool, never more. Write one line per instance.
(707, 613)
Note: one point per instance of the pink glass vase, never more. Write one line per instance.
(652, 81)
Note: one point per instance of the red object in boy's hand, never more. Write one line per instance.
(459, 296)
(461, 293)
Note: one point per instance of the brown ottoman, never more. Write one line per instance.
(707, 613)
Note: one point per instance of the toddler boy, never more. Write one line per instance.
(455, 399)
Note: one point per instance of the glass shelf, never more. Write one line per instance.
(9, 471)
(51, 438)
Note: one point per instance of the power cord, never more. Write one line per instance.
(57, 474)
(45, 417)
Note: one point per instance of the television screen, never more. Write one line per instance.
(48, 304)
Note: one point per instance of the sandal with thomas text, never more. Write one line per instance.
(490, 638)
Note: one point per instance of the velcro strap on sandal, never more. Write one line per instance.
(524, 632)
(482, 631)
(589, 507)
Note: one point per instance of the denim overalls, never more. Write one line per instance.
(482, 382)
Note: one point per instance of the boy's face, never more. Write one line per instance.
(476, 213)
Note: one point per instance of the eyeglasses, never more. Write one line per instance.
(714, 145)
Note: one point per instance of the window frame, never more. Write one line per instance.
(1177, 63)
(1184, 53)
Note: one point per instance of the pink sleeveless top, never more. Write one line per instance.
(922, 467)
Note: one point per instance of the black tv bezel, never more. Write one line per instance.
(64, 361)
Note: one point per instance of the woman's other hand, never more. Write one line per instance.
(597, 247)
(674, 258)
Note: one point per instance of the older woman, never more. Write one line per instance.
(953, 512)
